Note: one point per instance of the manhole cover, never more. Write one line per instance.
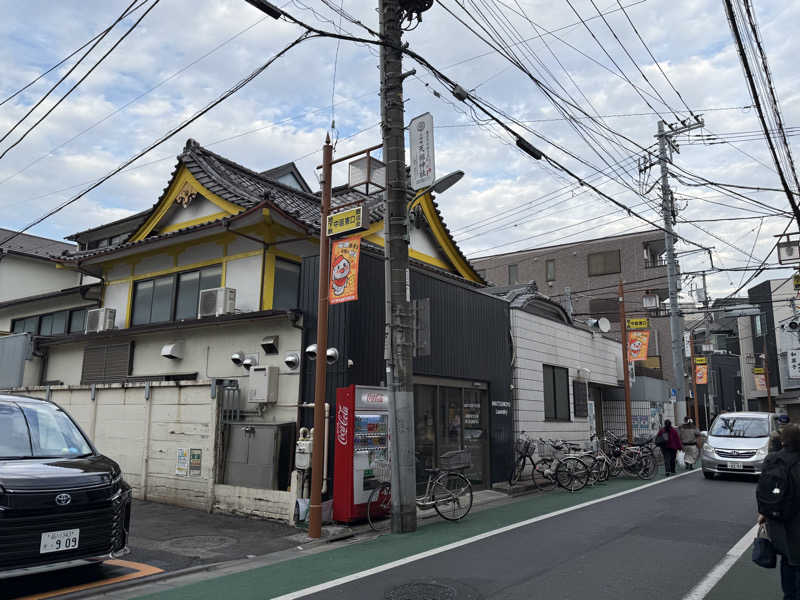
(422, 591)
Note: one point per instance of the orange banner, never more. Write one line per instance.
(701, 373)
(638, 341)
(760, 381)
(344, 270)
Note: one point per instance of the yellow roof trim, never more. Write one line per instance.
(446, 243)
(182, 179)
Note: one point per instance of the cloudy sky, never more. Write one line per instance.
(185, 53)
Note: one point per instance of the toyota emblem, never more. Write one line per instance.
(63, 499)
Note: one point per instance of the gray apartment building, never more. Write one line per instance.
(585, 274)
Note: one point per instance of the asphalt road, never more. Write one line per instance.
(654, 543)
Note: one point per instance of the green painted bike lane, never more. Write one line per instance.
(306, 571)
(747, 581)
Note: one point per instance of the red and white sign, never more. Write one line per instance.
(374, 398)
(342, 423)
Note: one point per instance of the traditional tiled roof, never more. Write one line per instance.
(32, 245)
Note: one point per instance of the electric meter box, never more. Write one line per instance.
(302, 455)
(263, 385)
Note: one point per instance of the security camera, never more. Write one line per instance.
(292, 360)
(311, 352)
(331, 356)
(237, 358)
(248, 362)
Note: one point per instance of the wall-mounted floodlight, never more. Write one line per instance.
(237, 358)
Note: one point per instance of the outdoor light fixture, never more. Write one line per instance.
(237, 358)
(270, 344)
(247, 363)
(446, 182)
(367, 175)
(331, 356)
(311, 352)
(266, 7)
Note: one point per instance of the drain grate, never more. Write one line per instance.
(422, 591)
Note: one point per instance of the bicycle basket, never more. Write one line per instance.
(544, 450)
(523, 446)
(382, 470)
(455, 459)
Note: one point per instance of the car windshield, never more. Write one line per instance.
(741, 427)
(39, 431)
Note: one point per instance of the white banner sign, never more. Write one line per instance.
(423, 169)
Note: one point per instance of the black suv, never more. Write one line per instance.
(61, 503)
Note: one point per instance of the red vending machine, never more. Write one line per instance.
(362, 437)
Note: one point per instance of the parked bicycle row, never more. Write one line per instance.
(573, 465)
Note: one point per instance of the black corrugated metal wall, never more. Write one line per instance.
(469, 340)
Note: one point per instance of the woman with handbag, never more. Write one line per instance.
(668, 440)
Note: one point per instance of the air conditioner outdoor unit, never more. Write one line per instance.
(216, 302)
(100, 319)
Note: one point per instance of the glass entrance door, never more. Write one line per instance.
(476, 434)
(424, 431)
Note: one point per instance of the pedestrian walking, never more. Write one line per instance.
(669, 441)
(689, 434)
(781, 512)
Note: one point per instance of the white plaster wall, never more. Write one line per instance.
(120, 271)
(240, 244)
(198, 208)
(200, 252)
(65, 363)
(539, 341)
(116, 296)
(150, 264)
(422, 241)
(244, 275)
(21, 277)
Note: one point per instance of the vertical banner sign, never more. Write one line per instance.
(638, 342)
(344, 270)
(420, 134)
(760, 381)
(701, 374)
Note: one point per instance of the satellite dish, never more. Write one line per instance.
(602, 324)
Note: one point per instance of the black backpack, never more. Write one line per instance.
(777, 499)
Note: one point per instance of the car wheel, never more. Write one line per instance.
(708, 474)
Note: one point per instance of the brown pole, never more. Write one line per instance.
(766, 375)
(694, 383)
(623, 326)
(318, 450)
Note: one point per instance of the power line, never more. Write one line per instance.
(305, 36)
(81, 80)
(66, 58)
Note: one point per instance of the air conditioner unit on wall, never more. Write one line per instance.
(100, 319)
(216, 301)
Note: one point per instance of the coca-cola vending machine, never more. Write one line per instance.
(361, 438)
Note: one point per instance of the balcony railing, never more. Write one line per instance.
(655, 263)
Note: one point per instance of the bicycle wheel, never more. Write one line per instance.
(544, 474)
(379, 505)
(452, 495)
(605, 470)
(516, 471)
(572, 474)
(616, 467)
(590, 462)
(648, 469)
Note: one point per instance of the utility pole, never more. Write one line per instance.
(399, 366)
(318, 450)
(766, 373)
(623, 329)
(694, 382)
(668, 209)
(707, 338)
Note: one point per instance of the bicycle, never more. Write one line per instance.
(448, 491)
(634, 459)
(541, 471)
(569, 471)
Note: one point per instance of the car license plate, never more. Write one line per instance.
(735, 466)
(58, 541)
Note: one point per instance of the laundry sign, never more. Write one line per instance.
(344, 270)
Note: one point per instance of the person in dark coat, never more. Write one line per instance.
(671, 447)
(785, 535)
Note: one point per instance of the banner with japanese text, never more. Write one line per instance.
(638, 341)
(344, 270)
(701, 373)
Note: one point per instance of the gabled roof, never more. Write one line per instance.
(33, 246)
(277, 173)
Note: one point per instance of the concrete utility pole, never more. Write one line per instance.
(623, 329)
(766, 372)
(693, 371)
(668, 208)
(399, 366)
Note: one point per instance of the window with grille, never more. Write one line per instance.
(107, 363)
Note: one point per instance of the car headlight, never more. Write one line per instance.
(708, 449)
(763, 451)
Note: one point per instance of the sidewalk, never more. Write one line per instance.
(306, 565)
(747, 580)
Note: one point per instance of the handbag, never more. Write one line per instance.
(763, 551)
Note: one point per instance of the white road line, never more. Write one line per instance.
(470, 540)
(699, 591)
